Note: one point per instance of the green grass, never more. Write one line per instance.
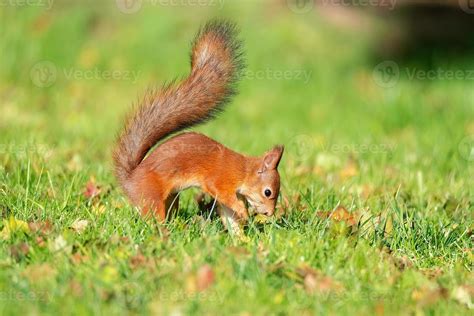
(393, 157)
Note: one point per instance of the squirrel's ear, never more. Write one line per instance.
(272, 158)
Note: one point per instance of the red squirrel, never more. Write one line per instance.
(153, 180)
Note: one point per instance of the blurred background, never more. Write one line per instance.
(373, 100)
(327, 78)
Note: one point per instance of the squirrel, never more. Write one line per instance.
(153, 180)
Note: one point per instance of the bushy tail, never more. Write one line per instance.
(216, 62)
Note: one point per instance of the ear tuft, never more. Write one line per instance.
(272, 158)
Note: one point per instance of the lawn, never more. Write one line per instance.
(376, 210)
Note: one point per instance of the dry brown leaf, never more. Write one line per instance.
(137, 261)
(428, 296)
(40, 241)
(402, 263)
(340, 214)
(316, 282)
(91, 190)
(78, 258)
(19, 250)
(432, 273)
(43, 228)
(204, 277)
(350, 170)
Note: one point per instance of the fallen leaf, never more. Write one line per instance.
(78, 258)
(12, 226)
(342, 222)
(59, 244)
(204, 278)
(432, 273)
(98, 209)
(261, 219)
(428, 296)
(341, 214)
(379, 309)
(316, 282)
(43, 228)
(350, 170)
(139, 260)
(402, 263)
(40, 241)
(19, 250)
(79, 225)
(92, 190)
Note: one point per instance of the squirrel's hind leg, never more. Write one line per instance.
(153, 198)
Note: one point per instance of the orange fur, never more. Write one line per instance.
(192, 159)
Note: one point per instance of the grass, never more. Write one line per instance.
(377, 183)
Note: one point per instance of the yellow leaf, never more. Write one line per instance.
(261, 219)
(12, 226)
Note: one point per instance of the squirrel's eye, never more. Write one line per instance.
(268, 192)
